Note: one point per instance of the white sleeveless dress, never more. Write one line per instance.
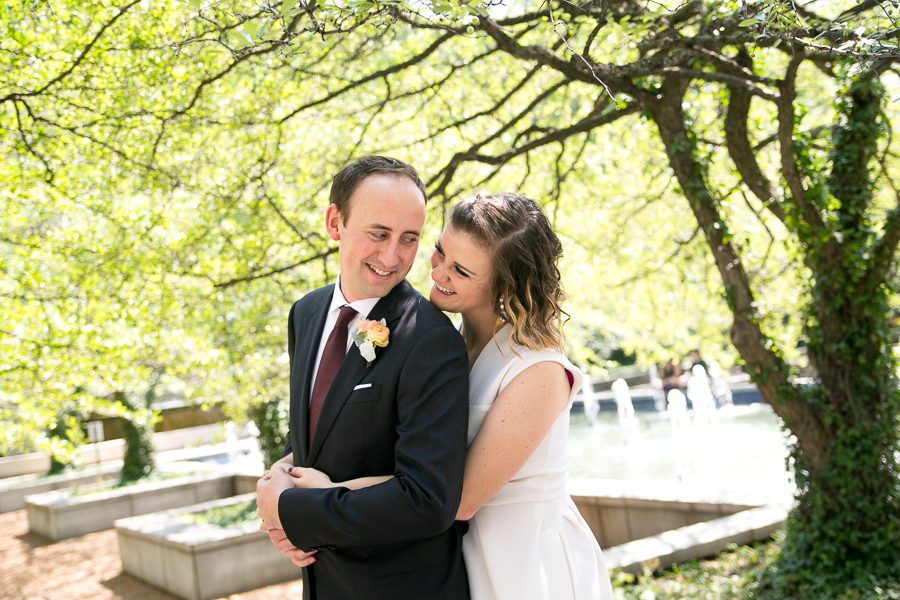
(529, 542)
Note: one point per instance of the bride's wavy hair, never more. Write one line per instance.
(526, 288)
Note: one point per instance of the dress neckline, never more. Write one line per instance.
(491, 348)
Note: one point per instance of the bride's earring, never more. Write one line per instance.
(503, 316)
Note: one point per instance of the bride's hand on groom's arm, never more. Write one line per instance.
(315, 479)
(310, 478)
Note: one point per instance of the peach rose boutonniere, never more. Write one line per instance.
(369, 334)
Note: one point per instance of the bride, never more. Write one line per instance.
(495, 264)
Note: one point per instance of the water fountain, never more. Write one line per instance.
(700, 395)
(676, 408)
(624, 405)
(231, 441)
(720, 389)
(743, 450)
(589, 399)
(656, 386)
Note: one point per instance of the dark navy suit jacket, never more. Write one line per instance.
(405, 415)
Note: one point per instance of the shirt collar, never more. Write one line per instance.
(363, 307)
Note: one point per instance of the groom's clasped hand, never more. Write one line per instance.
(278, 478)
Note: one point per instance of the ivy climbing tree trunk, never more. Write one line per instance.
(844, 534)
(140, 422)
(846, 526)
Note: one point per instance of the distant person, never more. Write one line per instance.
(697, 360)
(496, 265)
(670, 374)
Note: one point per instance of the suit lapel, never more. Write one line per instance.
(354, 367)
(307, 350)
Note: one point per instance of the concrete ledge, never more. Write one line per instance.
(619, 512)
(201, 561)
(636, 522)
(13, 490)
(59, 514)
(699, 540)
(24, 464)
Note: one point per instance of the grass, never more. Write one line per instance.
(729, 575)
(153, 477)
(224, 516)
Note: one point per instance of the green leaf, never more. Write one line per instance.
(748, 22)
(239, 39)
(287, 5)
(273, 32)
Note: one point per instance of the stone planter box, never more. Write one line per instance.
(112, 450)
(59, 514)
(201, 561)
(14, 489)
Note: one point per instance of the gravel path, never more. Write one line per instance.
(86, 567)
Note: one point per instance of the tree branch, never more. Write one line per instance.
(587, 124)
(271, 272)
(450, 169)
(373, 76)
(542, 55)
(680, 244)
(78, 60)
(737, 140)
(557, 135)
(786, 141)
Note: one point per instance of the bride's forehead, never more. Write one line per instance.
(462, 248)
(460, 240)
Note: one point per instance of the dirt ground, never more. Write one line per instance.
(86, 567)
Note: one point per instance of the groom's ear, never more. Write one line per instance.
(333, 218)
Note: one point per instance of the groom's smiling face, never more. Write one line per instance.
(379, 240)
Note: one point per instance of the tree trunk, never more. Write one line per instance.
(845, 531)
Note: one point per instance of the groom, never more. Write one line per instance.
(403, 413)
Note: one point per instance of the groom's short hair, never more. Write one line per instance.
(348, 179)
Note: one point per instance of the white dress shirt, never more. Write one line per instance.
(362, 307)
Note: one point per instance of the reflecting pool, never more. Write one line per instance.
(739, 448)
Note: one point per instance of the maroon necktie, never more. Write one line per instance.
(332, 357)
